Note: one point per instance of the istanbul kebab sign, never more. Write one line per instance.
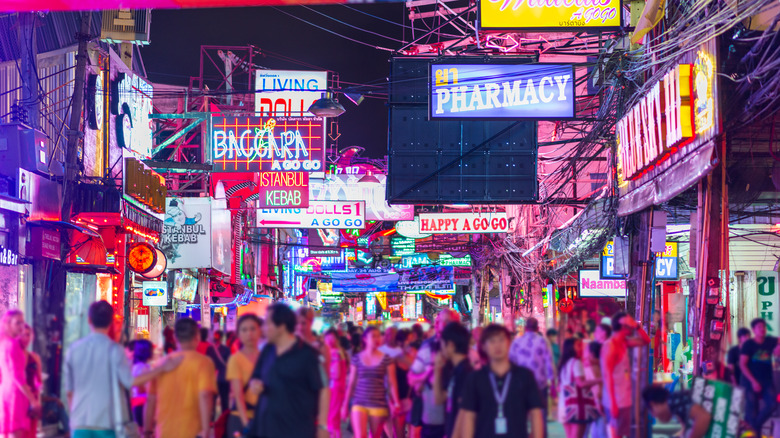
(463, 223)
(550, 14)
(265, 144)
(319, 214)
(500, 91)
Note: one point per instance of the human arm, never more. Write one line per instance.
(206, 406)
(422, 367)
(392, 379)
(641, 338)
(537, 423)
(350, 387)
(743, 365)
(233, 375)
(168, 364)
(150, 410)
(467, 422)
(439, 393)
(610, 362)
(701, 421)
(322, 412)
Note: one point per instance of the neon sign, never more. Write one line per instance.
(258, 144)
(703, 81)
(658, 125)
(287, 92)
(283, 189)
(550, 14)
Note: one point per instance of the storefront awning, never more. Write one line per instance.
(15, 205)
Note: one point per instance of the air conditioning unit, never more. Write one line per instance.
(126, 25)
(22, 147)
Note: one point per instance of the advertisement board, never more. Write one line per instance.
(143, 187)
(283, 189)
(267, 144)
(666, 263)
(592, 286)
(374, 282)
(427, 278)
(352, 187)
(133, 125)
(463, 223)
(768, 302)
(221, 238)
(402, 246)
(288, 93)
(155, 293)
(196, 234)
(501, 91)
(410, 261)
(319, 214)
(550, 15)
(324, 242)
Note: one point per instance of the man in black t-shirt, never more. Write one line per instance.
(455, 341)
(500, 399)
(732, 358)
(755, 360)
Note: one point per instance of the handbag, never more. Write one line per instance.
(124, 426)
(579, 404)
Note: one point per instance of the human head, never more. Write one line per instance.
(332, 338)
(26, 338)
(759, 328)
(218, 335)
(618, 324)
(602, 333)
(250, 329)
(371, 338)
(572, 349)
(656, 397)
(130, 350)
(204, 334)
(595, 349)
(357, 341)
(101, 315)
(305, 320)
(495, 341)
(455, 339)
(552, 335)
(143, 350)
(532, 325)
(280, 322)
(401, 337)
(443, 318)
(187, 333)
(743, 334)
(390, 336)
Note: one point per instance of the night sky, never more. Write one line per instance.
(176, 37)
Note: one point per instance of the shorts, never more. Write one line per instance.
(621, 424)
(371, 411)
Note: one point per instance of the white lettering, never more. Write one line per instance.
(562, 81)
(545, 98)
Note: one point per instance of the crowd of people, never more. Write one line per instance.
(276, 377)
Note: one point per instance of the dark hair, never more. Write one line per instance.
(532, 324)
(493, 330)
(552, 332)
(142, 351)
(756, 322)
(369, 330)
(204, 333)
(249, 317)
(218, 335)
(607, 329)
(655, 394)
(281, 314)
(616, 324)
(567, 353)
(743, 331)
(595, 349)
(186, 330)
(130, 345)
(459, 335)
(356, 341)
(417, 328)
(101, 314)
(590, 325)
(402, 336)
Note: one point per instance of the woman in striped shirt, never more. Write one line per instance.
(366, 388)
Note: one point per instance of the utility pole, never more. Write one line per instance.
(74, 127)
(29, 68)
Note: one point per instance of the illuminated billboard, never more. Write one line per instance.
(550, 15)
(267, 144)
(351, 187)
(319, 214)
(288, 93)
(283, 189)
(501, 91)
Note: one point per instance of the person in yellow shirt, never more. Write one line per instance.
(239, 372)
(180, 404)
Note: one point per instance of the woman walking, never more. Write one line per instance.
(143, 350)
(32, 373)
(239, 372)
(339, 368)
(406, 340)
(576, 404)
(17, 399)
(367, 380)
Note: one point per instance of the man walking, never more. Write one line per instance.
(533, 352)
(626, 334)
(180, 404)
(421, 378)
(501, 398)
(288, 377)
(92, 367)
(732, 357)
(755, 361)
(455, 343)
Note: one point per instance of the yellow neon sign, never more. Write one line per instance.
(550, 14)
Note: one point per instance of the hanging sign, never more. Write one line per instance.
(666, 263)
(427, 278)
(550, 14)
(768, 302)
(319, 214)
(143, 186)
(155, 293)
(352, 187)
(283, 189)
(8, 257)
(402, 246)
(265, 144)
(501, 91)
(463, 223)
(591, 286)
(288, 93)
(413, 260)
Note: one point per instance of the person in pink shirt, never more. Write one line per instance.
(16, 397)
(339, 367)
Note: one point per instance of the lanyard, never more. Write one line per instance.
(500, 398)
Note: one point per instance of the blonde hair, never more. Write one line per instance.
(5, 321)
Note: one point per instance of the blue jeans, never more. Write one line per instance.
(755, 414)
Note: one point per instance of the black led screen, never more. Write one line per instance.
(453, 161)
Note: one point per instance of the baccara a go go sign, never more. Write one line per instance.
(463, 223)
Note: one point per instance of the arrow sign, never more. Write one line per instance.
(334, 131)
(320, 214)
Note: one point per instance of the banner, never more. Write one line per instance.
(724, 402)
(592, 286)
(768, 303)
(288, 93)
(265, 144)
(501, 91)
(351, 282)
(550, 15)
(427, 278)
(461, 223)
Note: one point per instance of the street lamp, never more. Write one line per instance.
(327, 106)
